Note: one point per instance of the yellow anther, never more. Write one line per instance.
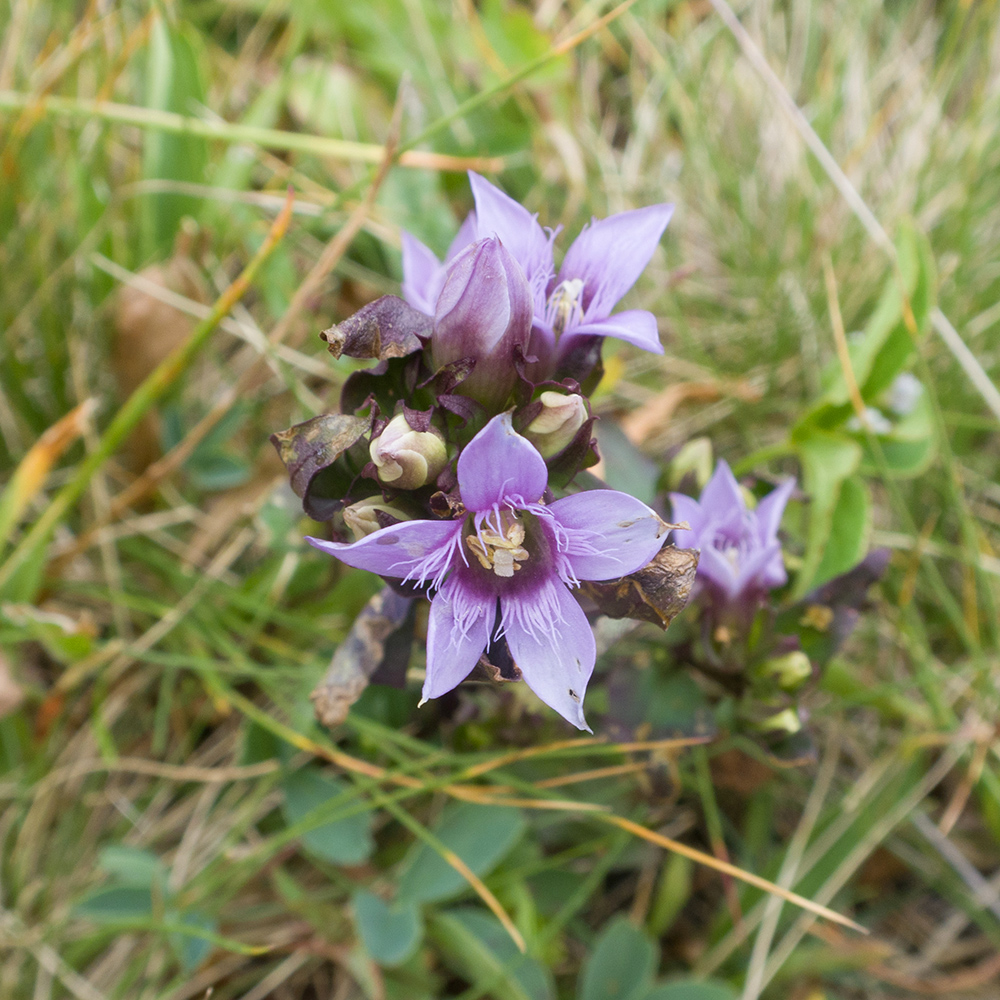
(501, 553)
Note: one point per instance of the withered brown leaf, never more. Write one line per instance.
(656, 593)
(383, 329)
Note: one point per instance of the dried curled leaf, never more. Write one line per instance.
(656, 593)
(310, 449)
(383, 329)
(382, 632)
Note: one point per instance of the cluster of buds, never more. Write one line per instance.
(452, 468)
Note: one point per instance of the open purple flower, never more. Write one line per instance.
(505, 568)
(601, 265)
(740, 552)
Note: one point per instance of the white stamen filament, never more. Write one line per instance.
(564, 304)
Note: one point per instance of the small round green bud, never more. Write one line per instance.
(791, 670)
(561, 417)
(785, 721)
(407, 459)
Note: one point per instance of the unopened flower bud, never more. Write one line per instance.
(561, 417)
(407, 459)
(785, 721)
(363, 517)
(484, 311)
(791, 670)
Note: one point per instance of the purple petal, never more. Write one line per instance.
(466, 234)
(635, 326)
(423, 275)
(685, 508)
(721, 499)
(484, 312)
(761, 570)
(610, 254)
(498, 463)
(458, 630)
(411, 550)
(770, 510)
(552, 644)
(497, 214)
(718, 569)
(606, 534)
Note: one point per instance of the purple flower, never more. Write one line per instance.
(483, 312)
(505, 568)
(601, 265)
(740, 552)
(423, 273)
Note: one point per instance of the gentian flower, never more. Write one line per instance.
(423, 273)
(483, 311)
(601, 265)
(740, 552)
(505, 568)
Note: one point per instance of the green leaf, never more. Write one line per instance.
(850, 529)
(625, 467)
(621, 965)
(173, 83)
(131, 866)
(476, 946)
(910, 447)
(390, 933)
(116, 905)
(66, 640)
(346, 841)
(191, 949)
(479, 835)
(690, 989)
(827, 460)
(219, 470)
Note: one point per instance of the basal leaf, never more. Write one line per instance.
(621, 966)
(347, 841)
(690, 989)
(389, 932)
(117, 904)
(479, 835)
(475, 945)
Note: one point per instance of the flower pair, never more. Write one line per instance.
(504, 569)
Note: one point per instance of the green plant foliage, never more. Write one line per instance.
(173, 83)
(620, 967)
(477, 947)
(346, 841)
(479, 835)
(389, 932)
(691, 990)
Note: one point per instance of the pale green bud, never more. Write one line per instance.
(362, 517)
(561, 417)
(407, 459)
(785, 721)
(791, 670)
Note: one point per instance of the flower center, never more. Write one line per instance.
(564, 307)
(499, 544)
